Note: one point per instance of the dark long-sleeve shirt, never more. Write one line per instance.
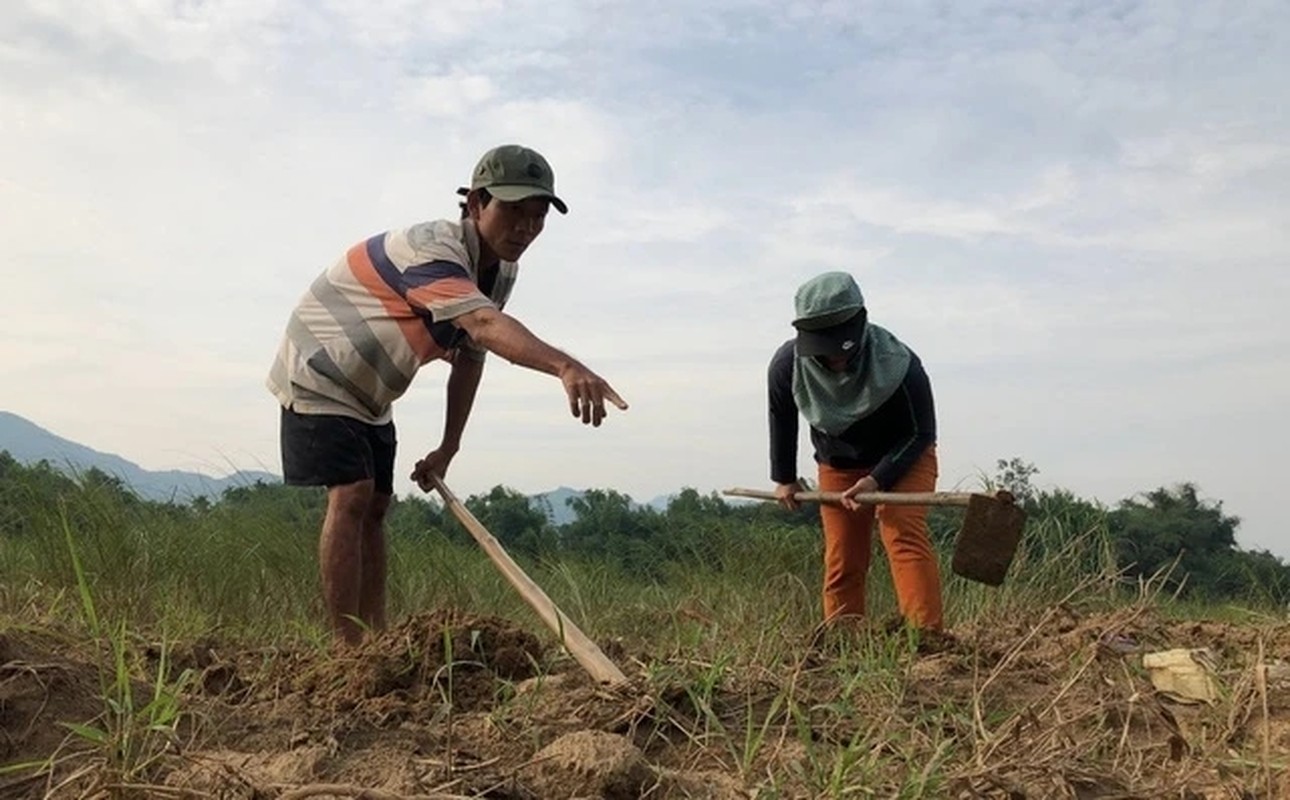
(887, 442)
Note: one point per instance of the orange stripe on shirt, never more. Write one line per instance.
(444, 291)
(414, 330)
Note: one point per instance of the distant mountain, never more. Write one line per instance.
(29, 443)
(555, 504)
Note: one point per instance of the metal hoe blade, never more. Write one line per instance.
(988, 539)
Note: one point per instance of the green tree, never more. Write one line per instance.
(295, 507)
(609, 525)
(415, 517)
(109, 487)
(1256, 576)
(689, 504)
(695, 529)
(1016, 475)
(27, 491)
(513, 520)
(1152, 530)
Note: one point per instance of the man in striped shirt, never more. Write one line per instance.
(356, 339)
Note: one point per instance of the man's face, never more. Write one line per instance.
(508, 228)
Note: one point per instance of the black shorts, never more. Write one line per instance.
(333, 450)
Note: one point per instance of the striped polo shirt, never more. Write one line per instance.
(367, 324)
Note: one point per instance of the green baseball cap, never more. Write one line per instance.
(512, 172)
(826, 300)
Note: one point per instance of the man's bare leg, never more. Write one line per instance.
(371, 603)
(340, 557)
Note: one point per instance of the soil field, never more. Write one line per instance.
(448, 704)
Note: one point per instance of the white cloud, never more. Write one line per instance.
(639, 217)
(456, 94)
(228, 36)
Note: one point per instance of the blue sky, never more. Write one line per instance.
(1075, 212)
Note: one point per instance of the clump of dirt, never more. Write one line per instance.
(40, 687)
(213, 666)
(447, 657)
(589, 764)
(230, 775)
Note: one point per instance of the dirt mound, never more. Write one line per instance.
(589, 764)
(39, 687)
(444, 657)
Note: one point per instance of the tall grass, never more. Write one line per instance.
(251, 573)
(134, 729)
(187, 573)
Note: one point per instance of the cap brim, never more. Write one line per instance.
(512, 193)
(838, 340)
(815, 343)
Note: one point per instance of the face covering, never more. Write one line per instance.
(834, 401)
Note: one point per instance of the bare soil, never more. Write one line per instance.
(450, 704)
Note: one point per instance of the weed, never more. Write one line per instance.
(131, 733)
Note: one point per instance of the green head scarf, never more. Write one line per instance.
(828, 320)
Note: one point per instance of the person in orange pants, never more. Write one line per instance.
(868, 402)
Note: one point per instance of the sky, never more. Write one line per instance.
(1074, 212)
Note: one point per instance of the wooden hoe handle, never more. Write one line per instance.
(582, 648)
(877, 498)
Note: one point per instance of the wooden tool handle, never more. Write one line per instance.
(582, 648)
(874, 498)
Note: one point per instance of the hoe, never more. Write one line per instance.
(986, 542)
(583, 649)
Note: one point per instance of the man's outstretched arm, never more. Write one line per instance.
(504, 335)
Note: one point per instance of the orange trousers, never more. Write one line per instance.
(848, 546)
